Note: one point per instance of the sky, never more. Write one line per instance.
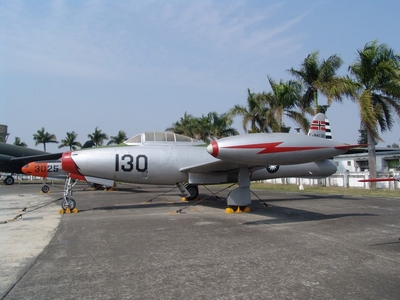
(140, 65)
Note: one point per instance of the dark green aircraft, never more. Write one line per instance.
(13, 158)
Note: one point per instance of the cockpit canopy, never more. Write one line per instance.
(161, 137)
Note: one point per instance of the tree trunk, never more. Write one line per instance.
(315, 102)
(371, 159)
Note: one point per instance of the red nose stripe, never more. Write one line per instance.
(77, 176)
(68, 164)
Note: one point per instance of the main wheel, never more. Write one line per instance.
(68, 202)
(45, 189)
(193, 191)
(9, 180)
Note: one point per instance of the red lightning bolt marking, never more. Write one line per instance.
(273, 148)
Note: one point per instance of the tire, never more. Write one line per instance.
(45, 189)
(193, 191)
(71, 203)
(9, 180)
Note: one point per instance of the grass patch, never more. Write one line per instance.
(326, 190)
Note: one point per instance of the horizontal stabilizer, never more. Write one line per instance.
(28, 159)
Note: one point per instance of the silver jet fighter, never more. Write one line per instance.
(165, 158)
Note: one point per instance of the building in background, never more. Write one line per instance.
(387, 160)
(3, 133)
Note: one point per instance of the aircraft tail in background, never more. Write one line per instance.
(320, 127)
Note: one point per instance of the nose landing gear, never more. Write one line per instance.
(68, 205)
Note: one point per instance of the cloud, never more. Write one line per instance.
(114, 41)
(236, 25)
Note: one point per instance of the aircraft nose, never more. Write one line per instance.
(213, 148)
(26, 169)
(36, 169)
(68, 164)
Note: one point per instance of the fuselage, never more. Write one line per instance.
(137, 164)
(48, 169)
(171, 162)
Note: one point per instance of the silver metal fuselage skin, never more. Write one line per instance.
(141, 164)
(168, 164)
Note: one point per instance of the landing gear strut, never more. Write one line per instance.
(189, 191)
(239, 199)
(68, 204)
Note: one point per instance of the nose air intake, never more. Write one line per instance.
(213, 149)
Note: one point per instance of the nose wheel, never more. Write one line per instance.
(45, 189)
(68, 203)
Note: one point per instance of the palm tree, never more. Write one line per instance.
(200, 128)
(205, 127)
(283, 100)
(377, 73)
(320, 77)
(118, 139)
(220, 125)
(70, 141)
(185, 126)
(363, 138)
(98, 137)
(42, 137)
(256, 113)
(18, 142)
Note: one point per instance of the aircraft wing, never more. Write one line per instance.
(215, 166)
(219, 166)
(27, 159)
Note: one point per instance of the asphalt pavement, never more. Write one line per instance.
(143, 242)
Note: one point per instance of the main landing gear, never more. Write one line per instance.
(9, 180)
(239, 199)
(189, 191)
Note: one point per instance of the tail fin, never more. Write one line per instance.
(328, 131)
(318, 126)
